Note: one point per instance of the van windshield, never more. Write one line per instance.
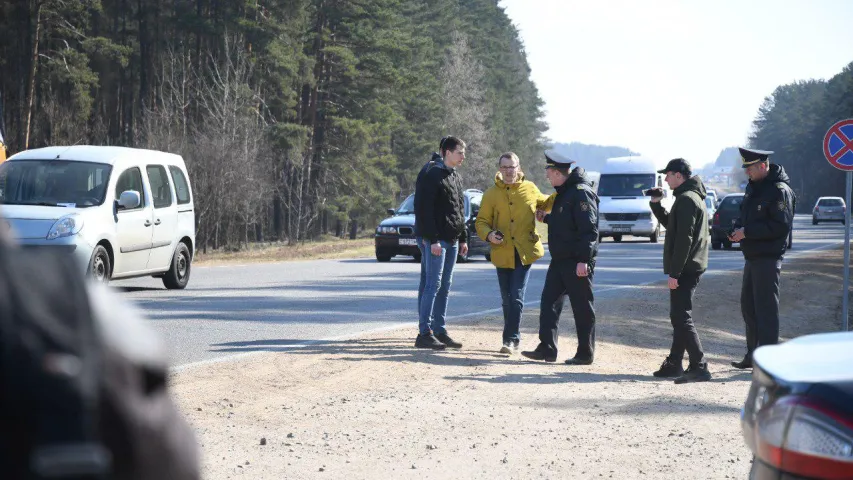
(625, 185)
(53, 183)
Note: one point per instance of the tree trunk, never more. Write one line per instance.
(33, 69)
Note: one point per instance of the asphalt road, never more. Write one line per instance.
(240, 309)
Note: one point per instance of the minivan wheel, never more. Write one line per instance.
(716, 245)
(99, 266)
(179, 272)
(656, 235)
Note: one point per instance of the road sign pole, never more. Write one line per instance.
(846, 293)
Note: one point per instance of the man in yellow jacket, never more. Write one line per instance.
(507, 220)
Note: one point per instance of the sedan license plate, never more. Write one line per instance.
(621, 228)
(408, 241)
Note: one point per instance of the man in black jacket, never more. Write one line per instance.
(685, 259)
(766, 217)
(436, 157)
(440, 216)
(573, 244)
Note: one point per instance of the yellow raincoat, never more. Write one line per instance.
(512, 210)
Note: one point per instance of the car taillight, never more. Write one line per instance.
(717, 218)
(804, 437)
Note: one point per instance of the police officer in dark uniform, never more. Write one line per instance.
(573, 244)
(766, 218)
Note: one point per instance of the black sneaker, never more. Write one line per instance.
(445, 339)
(743, 364)
(669, 369)
(429, 341)
(695, 373)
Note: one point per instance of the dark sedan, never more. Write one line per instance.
(396, 234)
(723, 220)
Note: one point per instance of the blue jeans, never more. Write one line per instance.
(438, 275)
(513, 283)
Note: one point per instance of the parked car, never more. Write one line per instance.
(712, 209)
(724, 218)
(713, 195)
(829, 209)
(122, 212)
(395, 235)
(798, 416)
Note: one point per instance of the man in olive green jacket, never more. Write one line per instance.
(685, 258)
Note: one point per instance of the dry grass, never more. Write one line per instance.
(326, 248)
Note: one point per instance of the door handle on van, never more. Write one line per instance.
(147, 223)
(157, 222)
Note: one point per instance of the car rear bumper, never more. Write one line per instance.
(826, 217)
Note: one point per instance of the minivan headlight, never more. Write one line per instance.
(65, 227)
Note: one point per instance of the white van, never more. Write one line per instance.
(624, 210)
(122, 212)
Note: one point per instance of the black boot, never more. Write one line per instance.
(579, 361)
(695, 373)
(541, 354)
(669, 369)
(745, 363)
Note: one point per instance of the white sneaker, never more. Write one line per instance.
(505, 349)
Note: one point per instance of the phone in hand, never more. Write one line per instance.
(499, 235)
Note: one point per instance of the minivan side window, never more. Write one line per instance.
(159, 180)
(182, 189)
(131, 179)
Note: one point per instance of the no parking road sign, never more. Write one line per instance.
(838, 149)
(838, 145)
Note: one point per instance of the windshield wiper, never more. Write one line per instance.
(42, 204)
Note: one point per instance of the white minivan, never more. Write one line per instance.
(623, 209)
(122, 212)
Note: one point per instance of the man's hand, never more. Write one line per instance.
(737, 235)
(583, 269)
(463, 248)
(540, 214)
(435, 248)
(673, 283)
(493, 239)
(656, 199)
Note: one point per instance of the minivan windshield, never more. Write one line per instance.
(625, 185)
(53, 183)
(407, 207)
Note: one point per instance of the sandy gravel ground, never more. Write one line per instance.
(374, 407)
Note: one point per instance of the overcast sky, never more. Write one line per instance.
(674, 78)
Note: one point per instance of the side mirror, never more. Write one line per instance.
(129, 199)
(391, 211)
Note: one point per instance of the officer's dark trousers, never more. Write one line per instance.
(759, 301)
(562, 280)
(684, 336)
